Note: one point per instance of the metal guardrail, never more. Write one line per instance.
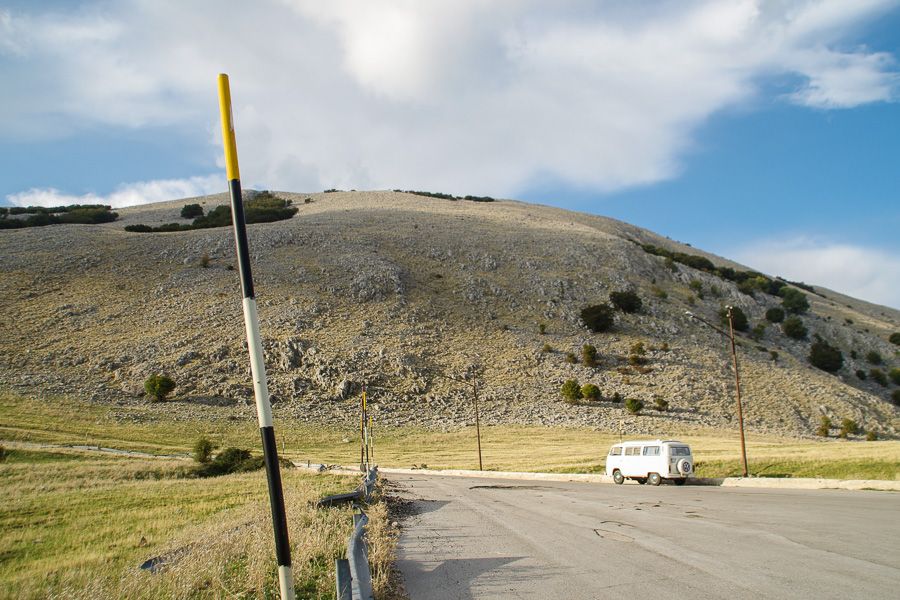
(352, 575)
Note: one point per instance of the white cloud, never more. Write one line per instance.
(131, 194)
(469, 96)
(858, 271)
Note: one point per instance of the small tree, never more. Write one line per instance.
(589, 355)
(871, 436)
(590, 391)
(626, 301)
(895, 338)
(737, 317)
(191, 211)
(849, 426)
(598, 318)
(824, 426)
(203, 450)
(873, 357)
(793, 300)
(571, 391)
(633, 406)
(794, 328)
(825, 356)
(775, 315)
(895, 375)
(159, 386)
(879, 377)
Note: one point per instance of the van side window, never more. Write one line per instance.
(632, 451)
(615, 451)
(651, 450)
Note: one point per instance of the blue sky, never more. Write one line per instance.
(768, 134)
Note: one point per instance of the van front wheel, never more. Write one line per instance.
(618, 477)
(654, 479)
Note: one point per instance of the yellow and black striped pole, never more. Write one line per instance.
(257, 365)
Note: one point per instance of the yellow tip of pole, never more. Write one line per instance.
(228, 139)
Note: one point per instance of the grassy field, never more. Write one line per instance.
(75, 524)
(506, 448)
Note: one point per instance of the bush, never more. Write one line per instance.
(697, 286)
(203, 450)
(571, 391)
(895, 338)
(793, 300)
(589, 355)
(590, 391)
(570, 358)
(231, 460)
(661, 405)
(738, 318)
(794, 328)
(204, 261)
(191, 211)
(659, 292)
(825, 356)
(636, 359)
(773, 355)
(598, 318)
(758, 331)
(895, 375)
(873, 357)
(547, 348)
(871, 436)
(895, 397)
(824, 426)
(627, 302)
(616, 398)
(849, 426)
(879, 377)
(542, 328)
(3, 454)
(775, 315)
(159, 386)
(638, 348)
(861, 374)
(633, 406)
(138, 228)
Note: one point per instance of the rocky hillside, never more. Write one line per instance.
(403, 292)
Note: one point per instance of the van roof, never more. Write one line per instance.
(645, 442)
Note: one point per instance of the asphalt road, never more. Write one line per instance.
(490, 538)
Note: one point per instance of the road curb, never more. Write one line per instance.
(743, 482)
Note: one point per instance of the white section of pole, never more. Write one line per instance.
(257, 364)
(286, 583)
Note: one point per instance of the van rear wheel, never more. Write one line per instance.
(618, 477)
(654, 479)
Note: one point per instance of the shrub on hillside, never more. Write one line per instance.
(794, 328)
(203, 449)
(661, 405)
(638, 348)
(825, 356)
(633, 406)
(824, 426)
(878, 377)
(775, 315)
(873, 357)
(849, 426)
(589, 355)
(793, 300)
(547, 348)
(895, 375)
(758, 331)
(636, 359)
(861, 374)
(598, 317)
(871, 436)
(159, 386)
(542, 328)
(616, 398)
(895, 338)
(571, 391)
(231, 460)
(191, 211)
(139, 228)
(590, 391)
(738, 318)
(895, 397)
(570, 358)
(626, 301)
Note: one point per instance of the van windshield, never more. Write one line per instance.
(615, 451)
(679, 451)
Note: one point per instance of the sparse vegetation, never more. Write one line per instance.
(598, 317)
(634, 406)
(824, 426)
(263, 207)
(84, 214)
(542, 328)
(571, 358)
(873, 357)
(848, 427)
(825, 356)
(589, 391)
(660, 404)
(638, 348)
(659, 292)
(775, 315)
(547, 348)
(203, 450)
(794, 328)
(878, 377)
(204, 261)
(571, 391)
(159, 386)
(758, 331)
(626, 301)
(589, 355)
(636, 359)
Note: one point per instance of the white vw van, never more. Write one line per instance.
(650, 462)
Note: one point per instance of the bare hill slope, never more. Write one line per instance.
(403, 291)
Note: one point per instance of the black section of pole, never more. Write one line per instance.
(276, 498)
(240, 238)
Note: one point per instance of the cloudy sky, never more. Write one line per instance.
(765, 131)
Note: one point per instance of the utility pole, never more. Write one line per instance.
(254, 345)
(737, 378)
